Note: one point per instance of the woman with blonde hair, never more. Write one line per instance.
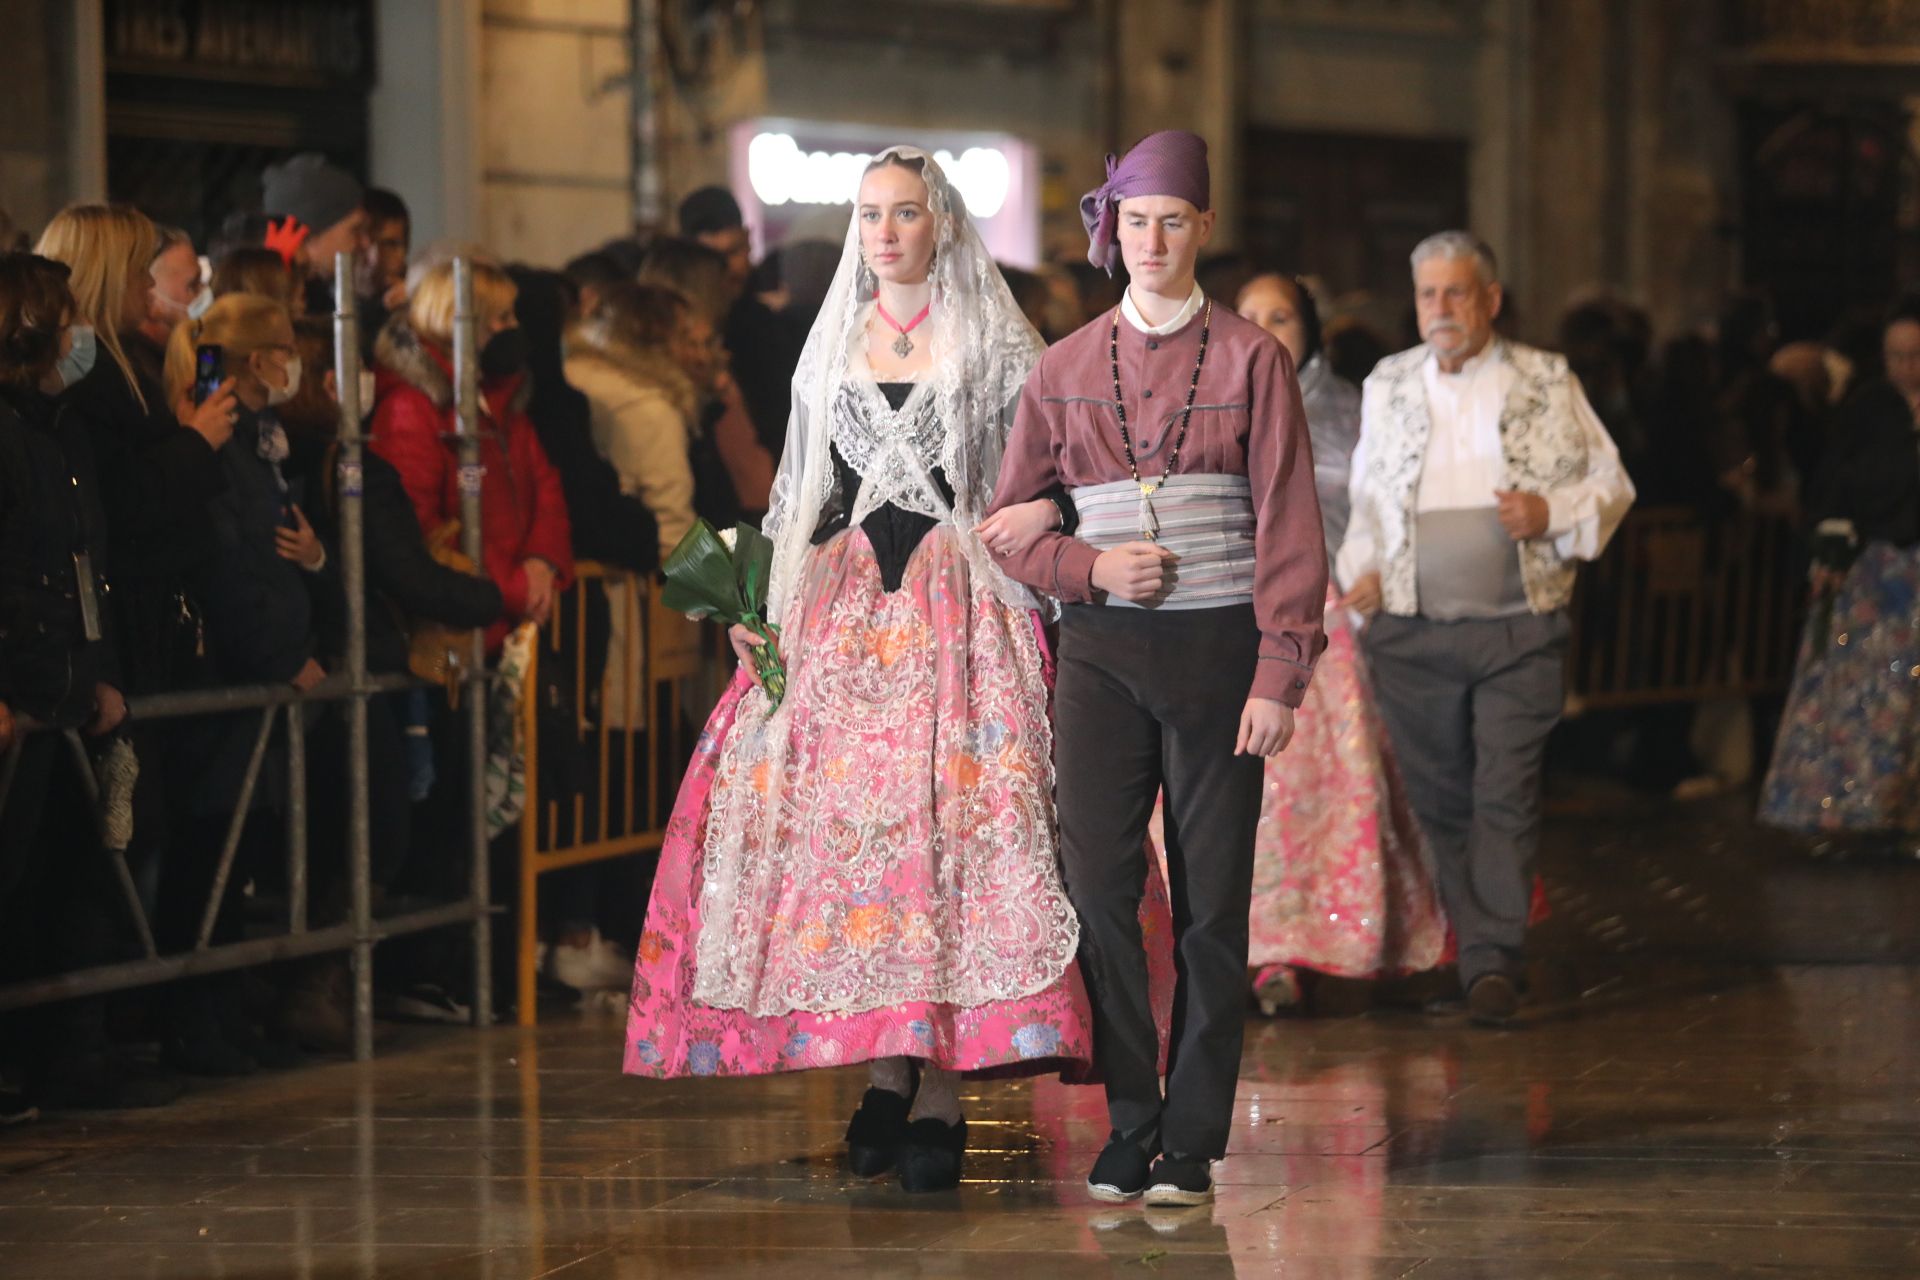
(260, 620)
(733, 469)
(868, 872)
(155, 456)
(622, 357)
(258, 269)
(527, 540)
(259, 585)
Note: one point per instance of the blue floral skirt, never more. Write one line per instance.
(1848, 755)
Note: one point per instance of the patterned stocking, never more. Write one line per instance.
(937, 1099)
(892, 1075)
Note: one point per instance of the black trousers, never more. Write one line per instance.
(1150, 701)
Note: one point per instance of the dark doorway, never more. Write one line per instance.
(1829, 204)
(1348, 208)
(203, 96)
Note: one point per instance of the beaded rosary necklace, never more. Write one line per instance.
(1149, 523)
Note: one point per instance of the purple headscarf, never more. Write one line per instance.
(1172, 162)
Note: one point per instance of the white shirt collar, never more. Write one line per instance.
(1474, 363)
(1195, 301)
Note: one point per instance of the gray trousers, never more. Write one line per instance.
(1469, 705)
(1148, 701)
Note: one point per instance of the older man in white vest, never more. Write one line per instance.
(1481, 478)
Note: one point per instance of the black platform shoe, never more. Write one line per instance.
(876, 1131)
(930, 1156)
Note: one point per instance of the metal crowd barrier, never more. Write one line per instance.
(1685, 609)
(635, 719)
(352, 686)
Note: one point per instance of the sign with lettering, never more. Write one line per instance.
(306, 43)
(1814, 27)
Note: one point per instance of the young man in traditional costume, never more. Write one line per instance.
(1193, 590)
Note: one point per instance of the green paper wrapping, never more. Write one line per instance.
(706, 578)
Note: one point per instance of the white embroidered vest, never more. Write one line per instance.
(1539, 437)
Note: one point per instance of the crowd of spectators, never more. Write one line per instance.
(170, 522)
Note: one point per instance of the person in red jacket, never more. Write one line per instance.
(523, 514)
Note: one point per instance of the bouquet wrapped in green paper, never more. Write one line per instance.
(724, 576)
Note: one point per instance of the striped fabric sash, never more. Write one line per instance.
(1206, 521)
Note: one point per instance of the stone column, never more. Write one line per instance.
(53, 139)
(423, 115)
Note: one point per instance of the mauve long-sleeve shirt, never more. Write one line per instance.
(1247, 421)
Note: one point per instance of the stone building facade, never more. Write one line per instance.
(1665, 152)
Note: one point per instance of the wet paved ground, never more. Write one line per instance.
(1675, 1104)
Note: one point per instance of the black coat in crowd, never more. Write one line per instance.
(259, 610)
(404, 581)
(259, 614)
(765, 345)
(156, 480)
(50, 517)
(1870, 471)
(612, 527)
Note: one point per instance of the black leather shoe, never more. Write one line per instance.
(930, 1156)
(1493, 1000)
(1120, 1174)
(876, 1131)
(1180, 1182)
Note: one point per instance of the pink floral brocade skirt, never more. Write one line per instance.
(872, 870)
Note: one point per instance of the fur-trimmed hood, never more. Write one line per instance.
(592, 342)
(400, 351)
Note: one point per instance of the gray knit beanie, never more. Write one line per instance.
(308, 188)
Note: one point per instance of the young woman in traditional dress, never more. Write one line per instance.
(1847, 761)
(869, 872)
(1340, 881)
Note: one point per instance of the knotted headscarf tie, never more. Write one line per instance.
(1172, 162)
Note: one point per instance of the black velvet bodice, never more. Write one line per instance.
(892, 531)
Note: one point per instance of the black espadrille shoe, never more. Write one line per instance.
(1180, 1182)
(1120, 1174)
(930, 1157)
(876, 1131)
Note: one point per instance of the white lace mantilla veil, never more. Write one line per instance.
(983, 348)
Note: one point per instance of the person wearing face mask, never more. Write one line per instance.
(59, 910)
(258, 587)
(156, 455)
(159, 469)
(180, 292)
(57, 666)
(527, 548)
(260, 619)
(1340, 884)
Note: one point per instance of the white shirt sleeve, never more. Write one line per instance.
(1359, 553)
(1582, 516)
